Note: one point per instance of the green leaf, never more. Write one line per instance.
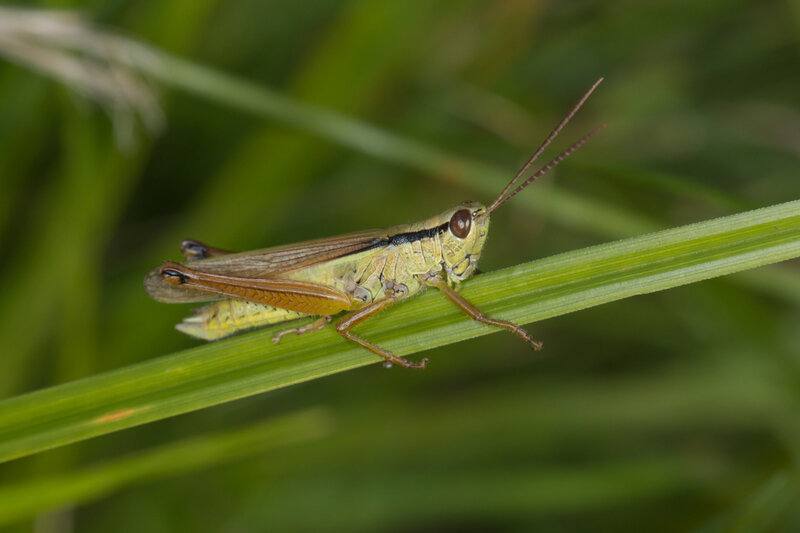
(250, 364)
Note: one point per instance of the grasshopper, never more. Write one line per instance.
(362, 272)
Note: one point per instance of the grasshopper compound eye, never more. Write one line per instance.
(460, 223)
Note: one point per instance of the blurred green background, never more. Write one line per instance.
(669, 412)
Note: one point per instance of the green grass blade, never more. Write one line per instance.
(26, 499)
(530, 491)
(249, 364)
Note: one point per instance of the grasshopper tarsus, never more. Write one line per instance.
(419, 366)
(405, 363)
(520, 332)
(513, 328)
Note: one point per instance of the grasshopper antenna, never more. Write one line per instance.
(503, 197)
(497, 203)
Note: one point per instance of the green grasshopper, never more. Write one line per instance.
(363, 272)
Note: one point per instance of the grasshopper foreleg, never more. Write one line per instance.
(353, 319)
(311, 326)
(476, 314)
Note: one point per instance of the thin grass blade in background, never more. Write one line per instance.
(28, 498)
(115, 70)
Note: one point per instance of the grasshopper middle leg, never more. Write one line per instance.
(312, 326)
(353, 319)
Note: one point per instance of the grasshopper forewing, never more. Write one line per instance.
(362, 272)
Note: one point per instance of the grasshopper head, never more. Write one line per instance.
(463, 240)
